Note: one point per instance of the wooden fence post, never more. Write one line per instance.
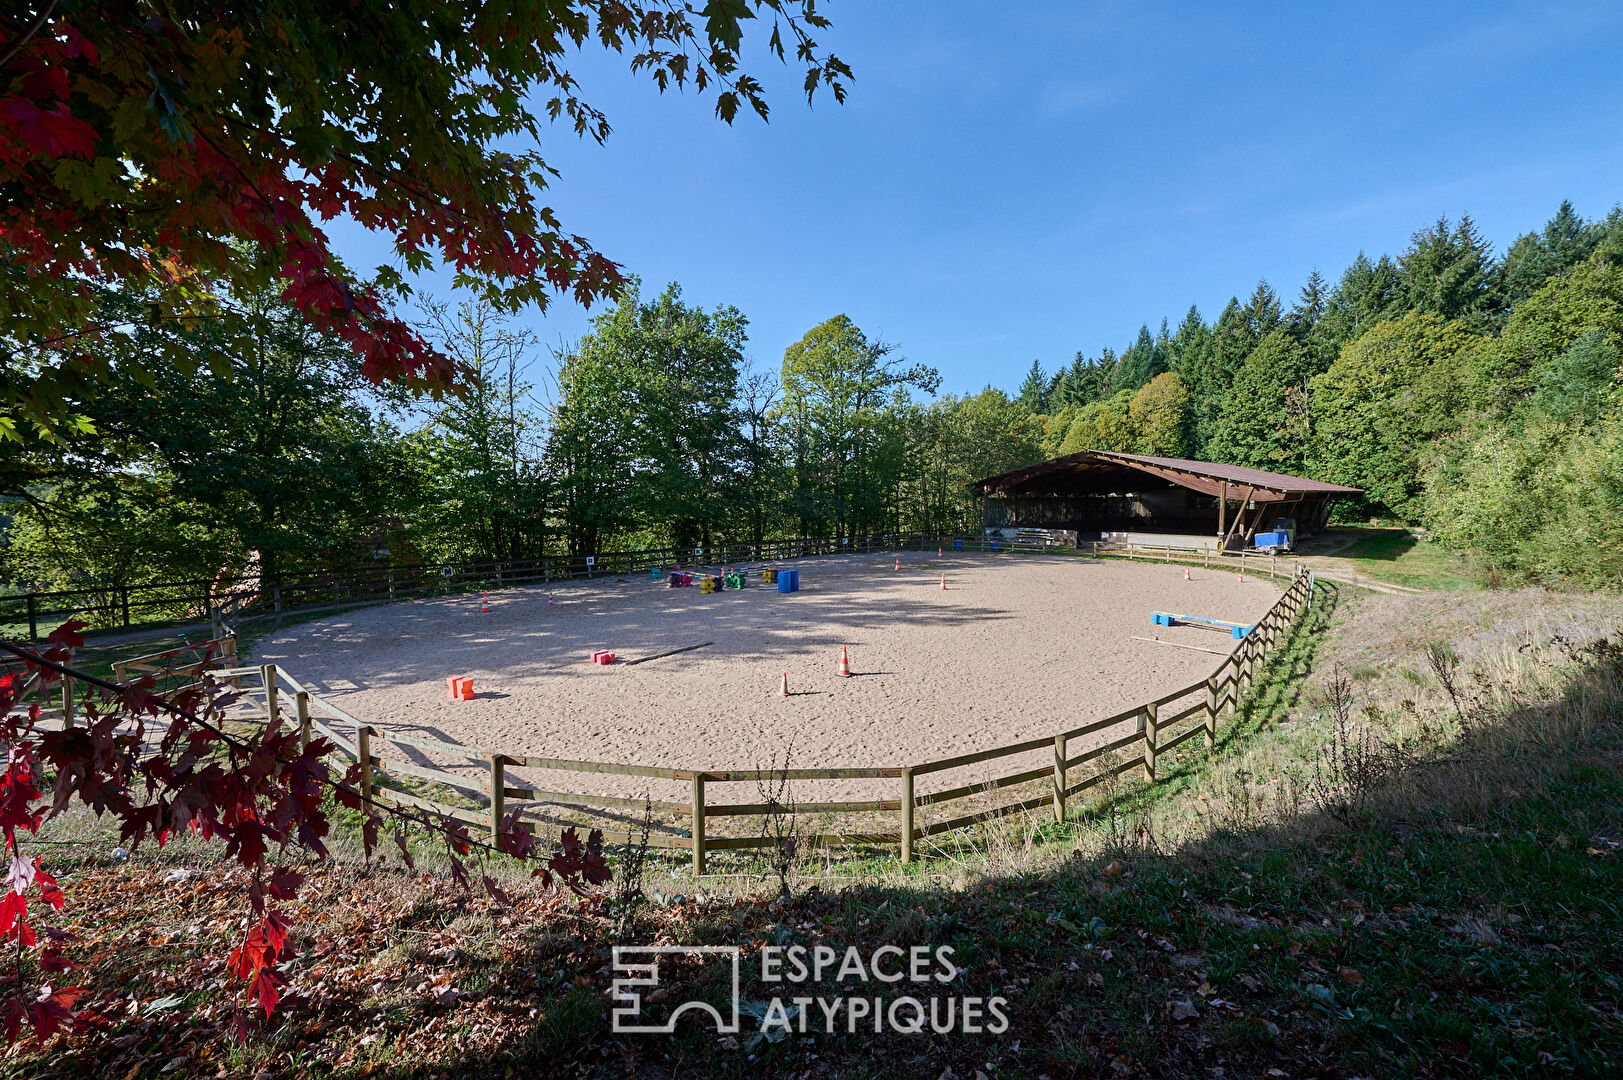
(1150, 714)
(228, 657)
(301, 707)
(698, 824)
(498, 795)
(67, 696)
(267, 675)
(907, 815)
(1059, 779)
(1211, 712)
(363, 754)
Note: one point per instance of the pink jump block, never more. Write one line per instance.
(603, 656)
(460, 687)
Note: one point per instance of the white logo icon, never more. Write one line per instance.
(641, 963)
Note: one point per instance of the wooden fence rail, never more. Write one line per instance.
(252, 597)
(1152, 735)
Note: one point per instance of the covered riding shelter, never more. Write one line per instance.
(1106, 495)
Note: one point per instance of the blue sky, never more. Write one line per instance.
(1009, 182)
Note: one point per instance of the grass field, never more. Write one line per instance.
(1396, 556)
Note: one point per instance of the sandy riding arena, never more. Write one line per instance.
(1016, 647)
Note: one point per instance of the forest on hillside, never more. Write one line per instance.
(1471, 394)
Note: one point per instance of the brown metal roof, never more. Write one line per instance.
(1094, 472)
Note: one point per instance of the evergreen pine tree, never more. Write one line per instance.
(1191, 341)
(1057, 396)
(1310, 305)
(1534, 258)
(1578, 384)
(1265, 422)
(1207, 365)
(1307, 320)
(1106, 374)
(1366, 294)
(1033, 392)
(1144, 360)
(1451, 273)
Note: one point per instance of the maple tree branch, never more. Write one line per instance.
(27, 35)
(232, 742)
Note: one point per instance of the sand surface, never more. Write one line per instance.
(1017, 647)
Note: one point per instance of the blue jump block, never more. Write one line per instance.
(994, 543)
(1167, 618)
(655, 573)
(957, 545)
(794, 581)
(788, 581)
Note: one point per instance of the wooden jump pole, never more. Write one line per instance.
(698, 824)
(672, 652)
(907, 815)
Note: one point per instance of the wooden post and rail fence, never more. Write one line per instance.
(249, 598)
(1144, 733)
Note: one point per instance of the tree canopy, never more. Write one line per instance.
(193, 151)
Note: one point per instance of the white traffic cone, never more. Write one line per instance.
(783, 691)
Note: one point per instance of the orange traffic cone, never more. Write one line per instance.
(484, 602)
(938, 553)
(943, 582)
(549, 599)
(783, 691)
(845, 665)
(898, 565)
(1186, 576)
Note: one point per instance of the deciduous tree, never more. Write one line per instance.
(187, 144)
